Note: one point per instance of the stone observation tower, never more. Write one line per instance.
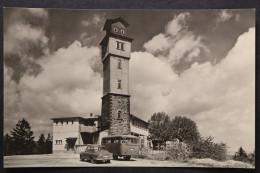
(116, 52)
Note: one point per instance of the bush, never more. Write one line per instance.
(205, 148)
(178, 151)
(153, 154)
(251, 158)
(143, 152)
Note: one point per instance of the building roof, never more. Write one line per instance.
(82, 118)
(129, 136)
(131, 115)
(109, 22)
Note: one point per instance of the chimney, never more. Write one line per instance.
(91, 114)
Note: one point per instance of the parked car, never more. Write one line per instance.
(96, 153)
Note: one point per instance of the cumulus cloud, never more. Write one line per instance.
(96, 19)
(67, 86)
(224, 15)
(219, 98)
(85, 22)
(39, 12)
(24, 42)
(177, 43)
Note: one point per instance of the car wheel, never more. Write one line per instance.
(127, 157)
(108, 161)
(115, 157)
(93, 161)
(81, 158)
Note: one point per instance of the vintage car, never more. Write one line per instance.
(96, 153)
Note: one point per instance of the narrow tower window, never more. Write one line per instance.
(119, 115)
(119, 64)
(120, 45)
(119, 84)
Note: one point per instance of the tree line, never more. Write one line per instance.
(21, 141)
(184, 130)
(192, 143)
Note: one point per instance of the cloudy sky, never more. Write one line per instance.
(194, 63)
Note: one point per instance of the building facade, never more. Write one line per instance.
(70, 133)
(74, 132)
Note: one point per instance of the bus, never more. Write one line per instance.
(121, 145)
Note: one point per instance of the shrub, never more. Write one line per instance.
(178, 151)
(153, 154)
(205, 148)
(143, 152)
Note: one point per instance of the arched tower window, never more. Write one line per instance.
(119, 116)
(119, 64)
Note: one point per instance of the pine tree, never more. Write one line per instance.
(41, 144)
(48, 144)
(241, 155)
(7, 145)
(242, 152)
(22, 136)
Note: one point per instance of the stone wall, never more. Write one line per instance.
(111, 104)
(106, 76)
(105, 111)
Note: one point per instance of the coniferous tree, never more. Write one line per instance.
(41, 144)
(48, 144)
(23, 138)
(7, 145)
(240, 155)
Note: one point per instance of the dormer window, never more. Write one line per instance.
(115, 29)
(122, 31)
(120, 45)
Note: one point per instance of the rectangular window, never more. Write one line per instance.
(120, 45)
(119, 84)
(119, 64)
(58, 142)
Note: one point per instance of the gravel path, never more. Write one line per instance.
(72, 160)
